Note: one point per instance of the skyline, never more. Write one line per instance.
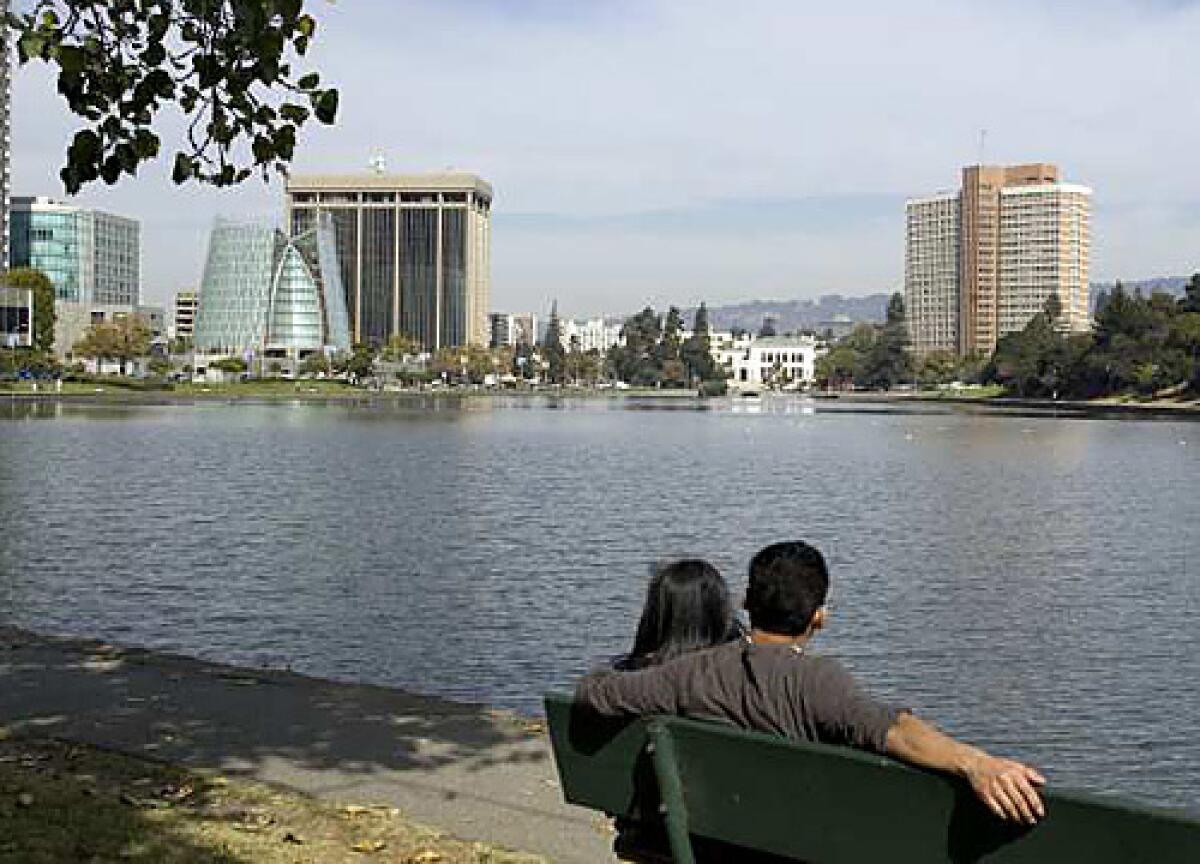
(642, 153)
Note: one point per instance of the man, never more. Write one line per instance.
(769, 682)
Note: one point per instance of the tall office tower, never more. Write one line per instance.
(5, 138)
(1021, 237)
(931, 266)
(90, 256)
(415, 252)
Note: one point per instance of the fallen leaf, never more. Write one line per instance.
(24, 800)
(293, 838)
(425, 856)
(369, 847)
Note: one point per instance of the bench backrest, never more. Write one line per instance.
(819, 804)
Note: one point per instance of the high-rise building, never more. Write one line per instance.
(931, 273)
(980, 263)
(414, 252)
(271, 295)
(186, 303)
(89, 255)
(5, 138)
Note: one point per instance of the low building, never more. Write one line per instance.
(184, 325)
(729, 348)
(784, 362)
(72, 321)
(16, 318)
(265, 294)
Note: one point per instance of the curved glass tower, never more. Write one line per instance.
(270, 294)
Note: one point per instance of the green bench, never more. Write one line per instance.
(818, 804)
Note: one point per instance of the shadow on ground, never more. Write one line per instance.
(476, 771)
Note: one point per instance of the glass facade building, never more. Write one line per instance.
(90, 256)
(271, 294)
(414, 252)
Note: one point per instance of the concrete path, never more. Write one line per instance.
(475, 772)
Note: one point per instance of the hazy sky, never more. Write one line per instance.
(677, 150)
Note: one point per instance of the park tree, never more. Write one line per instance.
(1191, 295)
(357, 364)
(769, 328)
(696, 352)
(233, 68)
(42, 289)
(553, 353)
(637, 359)
(670, 343)
(889, 363)
(122, 340)
(315, 365)
(399, 346)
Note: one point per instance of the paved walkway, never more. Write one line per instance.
(478, 773)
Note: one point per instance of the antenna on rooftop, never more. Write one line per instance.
(982, 145)
(378, 163)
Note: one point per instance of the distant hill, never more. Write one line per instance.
(837, 308)
(796, 314)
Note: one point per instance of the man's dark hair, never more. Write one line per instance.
(788, 584)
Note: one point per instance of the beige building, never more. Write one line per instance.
(414, 251)
(1018, 234)
(931, 264)
(184, 325)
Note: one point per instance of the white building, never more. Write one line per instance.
(595, 334)
(784, 362)
(727, 349)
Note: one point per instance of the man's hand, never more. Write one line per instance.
(1008, 788)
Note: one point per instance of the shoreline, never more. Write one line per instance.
(1107, 406)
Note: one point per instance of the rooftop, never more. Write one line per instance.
(367, 180)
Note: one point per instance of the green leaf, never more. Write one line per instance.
(326, 106)
(183, 169)
(30, 45)
(309, 81)
(307, 26)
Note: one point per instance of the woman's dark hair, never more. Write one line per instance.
(687, 609)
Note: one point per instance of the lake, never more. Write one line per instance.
(1030, 583)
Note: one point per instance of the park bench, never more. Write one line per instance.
(818, 804)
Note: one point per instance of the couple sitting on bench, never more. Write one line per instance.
(691, 659)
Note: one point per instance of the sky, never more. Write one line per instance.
(672, 151)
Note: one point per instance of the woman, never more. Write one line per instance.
(687, 609)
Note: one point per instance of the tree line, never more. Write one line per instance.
(1140, 345)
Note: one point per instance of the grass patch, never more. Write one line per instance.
(63, 803)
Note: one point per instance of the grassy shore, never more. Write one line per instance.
(69, 803)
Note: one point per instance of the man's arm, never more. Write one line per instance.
(1008, 788)
(628, 694)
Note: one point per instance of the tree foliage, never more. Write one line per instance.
(230, 66)
(553, 353)
(124, 339)
(1140, 345)
(39, 284)
(696, 352)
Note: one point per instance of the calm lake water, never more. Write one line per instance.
(1030, 583)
